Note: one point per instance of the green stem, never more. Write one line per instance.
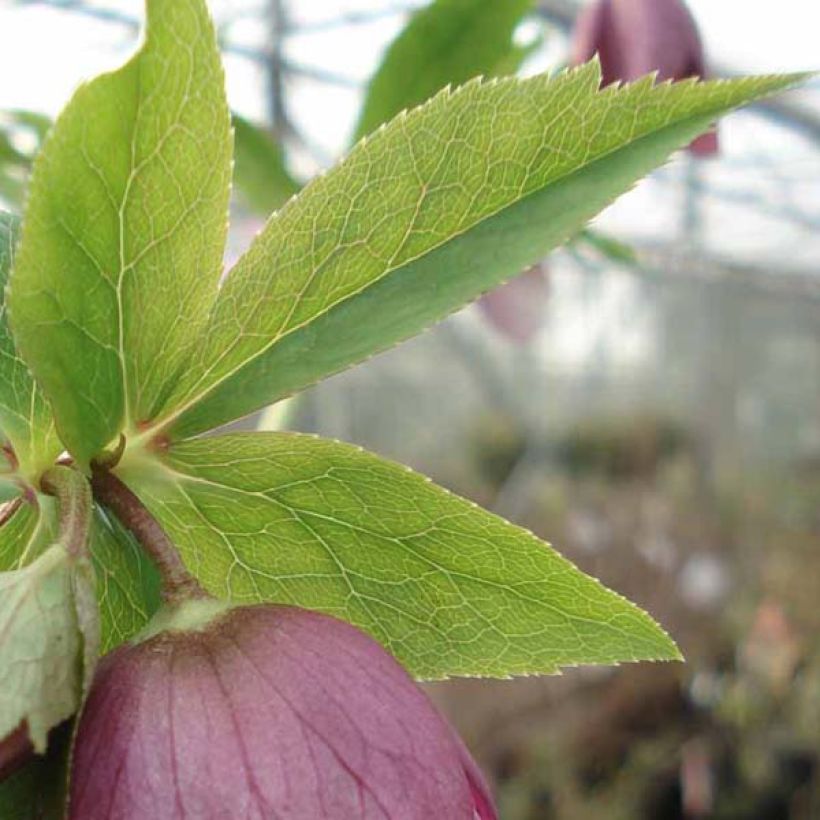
(177, 583)
(73, 495)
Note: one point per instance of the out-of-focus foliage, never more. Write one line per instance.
(21, 135)
(261, 178)
(445, 43)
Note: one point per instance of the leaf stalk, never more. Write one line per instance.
(73, 495)
(177, 582)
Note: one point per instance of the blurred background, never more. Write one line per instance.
(646, 399)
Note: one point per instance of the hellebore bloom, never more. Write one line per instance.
(267, 712)
(635, 37)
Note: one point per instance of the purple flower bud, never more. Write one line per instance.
(267, 711)
(635, 37)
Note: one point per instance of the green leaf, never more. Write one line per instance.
(10, 488)
(42, 645)
(128, 589)
(261, 178)
(609, 247)
(75, 510)
(124, 230)
(436, 208)
(447, 42)
(127, 584)
(449, 588)
(28, 528)
(25, 416)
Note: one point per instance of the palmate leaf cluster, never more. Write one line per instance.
(114, 328)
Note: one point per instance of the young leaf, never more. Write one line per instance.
(124, 231)
(261, 178)
(449, 588)
(24, 414)
(446, 42)
(42, 645)
(424, 216)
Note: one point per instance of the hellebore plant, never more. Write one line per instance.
(635, 37)
(254, 594)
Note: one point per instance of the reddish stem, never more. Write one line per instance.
(177, 583)
(74, 500)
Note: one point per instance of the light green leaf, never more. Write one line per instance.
(28, 527)
(25, 416)
(261, 178)
(127, 582)
(124, 230)
(424, 216)
(447, 42)
(127, 585)
(449, 588)
(42, 647)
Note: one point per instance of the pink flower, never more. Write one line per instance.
(516, 309)
(636, 37)
(267, 711)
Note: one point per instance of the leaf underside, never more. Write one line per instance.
(127, 582)
(124, 231)
(449, 588)
(432, 210)
(40, 655)
(27, 530)
(127, 585)
(25, 417)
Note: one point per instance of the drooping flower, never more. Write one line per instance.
(262, 712)
(516, 309)
(635, 37)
